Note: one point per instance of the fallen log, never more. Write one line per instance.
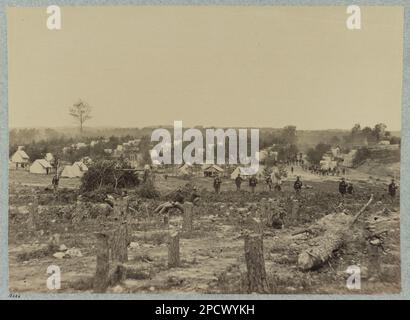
(332, 240)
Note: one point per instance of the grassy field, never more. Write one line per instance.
(212, 255)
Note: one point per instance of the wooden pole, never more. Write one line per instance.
(101, 278)
(188, 216)
(173, 250)
(255, 264)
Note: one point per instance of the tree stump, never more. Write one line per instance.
(173, 250)
(188, 216)
(121, 208)
(79, 212)
(166, 220)
(295, 209)
(32, 215)
(255, 264)
(255, 225)
(101, 278)
(119, 243)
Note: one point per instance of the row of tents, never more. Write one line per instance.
(213, 170)
(42, 166)
(20, 159)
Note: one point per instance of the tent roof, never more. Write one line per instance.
(214, 167)
(22, 154)
(80, 165)
(44, 163)
(71, 171)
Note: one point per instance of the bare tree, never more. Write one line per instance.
(80, 111)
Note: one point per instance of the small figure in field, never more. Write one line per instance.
(392, 189)
(269, 182)
(291, 169)
(165, 177)
(298, 185)
(252, 183)
(217, 184)
(342, 187)
(278, 185)
(195, 197)
(350, 188)
(238, 182)
(54, 182)
(177, 202)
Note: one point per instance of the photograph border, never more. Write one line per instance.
(404, 164)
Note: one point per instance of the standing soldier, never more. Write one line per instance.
(342, 187)
(195, 197)
(278, 184)
(55, 182)
(217, 184)
(238, 182)
(392, 189)
(269, 182)
(297, 185)
(350, 188)
(252, 183)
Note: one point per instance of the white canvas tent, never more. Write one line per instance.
(40, 166)
(81, 165)
(49, 157)
(247, 172)
(239, 171)
(212, 170)
(20, 157)
(72, 171)
(185, 169)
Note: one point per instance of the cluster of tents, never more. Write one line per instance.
(211, 170)
(20, 159)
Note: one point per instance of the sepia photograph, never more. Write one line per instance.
(204, 149)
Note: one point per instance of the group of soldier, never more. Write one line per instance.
(344, 186)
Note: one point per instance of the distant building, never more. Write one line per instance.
(80, 145)
(336, 152)
(328, 161)
(384, 142)
(49, 157)
(348, 159)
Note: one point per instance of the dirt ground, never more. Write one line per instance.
(212, 255)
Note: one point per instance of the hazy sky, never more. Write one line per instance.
(217, 66)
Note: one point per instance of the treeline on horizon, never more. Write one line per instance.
(287, 141)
